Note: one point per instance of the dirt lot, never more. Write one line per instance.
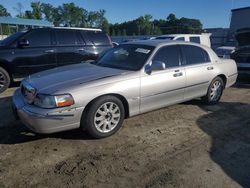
(185, 145)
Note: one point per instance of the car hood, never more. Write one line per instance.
(62, 77)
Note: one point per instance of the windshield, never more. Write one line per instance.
(164, 38)
(11, 38)
(126, 56)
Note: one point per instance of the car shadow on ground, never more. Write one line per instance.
(243, 81)
(228, 125)
(12, 131)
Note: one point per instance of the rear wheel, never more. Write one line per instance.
(104, 117)
(4, 80)
(214, 92)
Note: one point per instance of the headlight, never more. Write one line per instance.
(53, 101)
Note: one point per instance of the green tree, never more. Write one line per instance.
(171, 18)
(3, 11)
(28, 14)
(36, 10)
(124, 32)
(97, 18)
(72, 15)
(105, 26)
(113, 32)
(119, 32)
(19, 9)
(51, 14)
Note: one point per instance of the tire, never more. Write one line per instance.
(4, 80)
(215, 91)
(104, 117)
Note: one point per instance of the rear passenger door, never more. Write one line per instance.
(199, 71)
(69, 47)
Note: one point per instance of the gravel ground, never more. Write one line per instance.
(185, 145)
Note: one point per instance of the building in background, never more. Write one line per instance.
(240, 19)
(9, 25)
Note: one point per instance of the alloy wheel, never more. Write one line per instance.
(2, 80)
(107, 117)
(216, 91)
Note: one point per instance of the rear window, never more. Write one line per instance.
(194, 55)
(164, 38)
(97, 38)
(181, 39)
(195, 40)
(66, 37)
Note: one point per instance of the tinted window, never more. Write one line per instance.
(164, 38)
(170, 55)
(195, 40)
(12, 38)
(38, 38)
(98, 38)
(79, 38)
(181, 38)
(66, 37)
(194, 54)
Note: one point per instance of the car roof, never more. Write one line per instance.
(182, 35)
(157, 43)
(68, 28)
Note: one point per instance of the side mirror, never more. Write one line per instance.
(158, 65)
(155, 66)
(23, 42)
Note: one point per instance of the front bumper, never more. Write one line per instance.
(46, 120)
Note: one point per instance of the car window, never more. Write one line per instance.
(66, 37)
(164, 38)
(79, 38)
(195, 39)
(38, 38)
(126, 56)
(170, 55)
(181, 39)
(12, 38)
(98, 38)
(194, 55)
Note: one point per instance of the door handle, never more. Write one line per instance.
(178, 74)
(49, 51)
(210, 68)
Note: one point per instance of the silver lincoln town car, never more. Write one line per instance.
(127, 80)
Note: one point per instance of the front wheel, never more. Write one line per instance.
(4, 80)
(104, 117)
(214, 92)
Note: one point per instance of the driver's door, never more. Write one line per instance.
(164, 87)
(38, 56)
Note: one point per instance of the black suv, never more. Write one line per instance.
(242, 53)
(35, 50)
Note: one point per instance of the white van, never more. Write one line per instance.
(203, 38)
